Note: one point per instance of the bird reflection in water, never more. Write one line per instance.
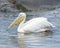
(39, 35)
(21, 41)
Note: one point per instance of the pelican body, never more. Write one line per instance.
(34, 25)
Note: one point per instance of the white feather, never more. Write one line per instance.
(35, 25)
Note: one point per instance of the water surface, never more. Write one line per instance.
(9, 38)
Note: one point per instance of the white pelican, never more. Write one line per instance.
(34, 25)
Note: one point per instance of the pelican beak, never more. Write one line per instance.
(16, 21)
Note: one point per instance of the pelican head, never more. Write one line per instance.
(22, 14)
(21, 17)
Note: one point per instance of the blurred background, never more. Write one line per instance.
(25, 5)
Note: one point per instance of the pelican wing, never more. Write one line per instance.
(36, 25)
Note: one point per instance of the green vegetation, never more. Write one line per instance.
(21, 7)
(48, 9)
(51, 9)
